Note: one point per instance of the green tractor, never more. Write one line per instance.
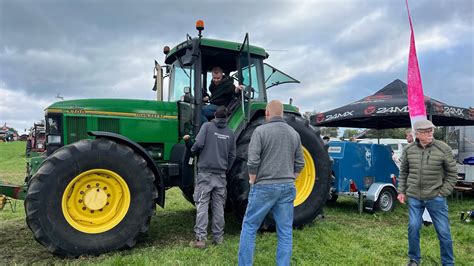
(108, 162)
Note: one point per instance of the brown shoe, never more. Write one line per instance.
(197, 244)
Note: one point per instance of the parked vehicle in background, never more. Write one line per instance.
(461, 140)
(35, 143)
(365, 171)
(397, 145)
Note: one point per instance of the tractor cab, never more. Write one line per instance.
(189, 65)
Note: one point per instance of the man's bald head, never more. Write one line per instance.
(274, 108)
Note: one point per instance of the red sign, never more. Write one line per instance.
(370, 110)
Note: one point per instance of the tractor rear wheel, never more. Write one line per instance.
(90, 197)
(312, 185)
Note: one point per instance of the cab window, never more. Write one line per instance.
(275, 77)
(255, 70)
(181, 77)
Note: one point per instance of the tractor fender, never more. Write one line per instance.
(373, 193)
(159, 178)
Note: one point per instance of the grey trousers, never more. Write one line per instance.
(210, 187)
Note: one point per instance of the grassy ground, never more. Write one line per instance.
(12, 161)
(343, 238)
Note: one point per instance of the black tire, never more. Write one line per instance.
(332, 197)
(386, 200)
(28, 148)
(237, 179)
(306, 211)
(188, 192)
(45, 215)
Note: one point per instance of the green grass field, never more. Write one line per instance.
(343, 237)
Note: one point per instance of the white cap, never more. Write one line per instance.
(423, 124)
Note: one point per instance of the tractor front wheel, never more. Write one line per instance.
(90, 197)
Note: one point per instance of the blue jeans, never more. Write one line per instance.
(438, 210)
(263, 199)
(208, 112)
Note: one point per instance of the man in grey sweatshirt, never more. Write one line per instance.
(215, 145)
(275, 159)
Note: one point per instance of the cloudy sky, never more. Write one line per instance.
(340, 50)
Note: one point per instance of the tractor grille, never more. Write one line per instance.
(76, 129)
(109, 125)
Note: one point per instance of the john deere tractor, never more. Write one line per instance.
(108, 162)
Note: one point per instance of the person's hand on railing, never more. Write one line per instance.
(239, 88)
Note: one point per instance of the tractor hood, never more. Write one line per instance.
(116, 107)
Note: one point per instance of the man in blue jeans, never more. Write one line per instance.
(427, 176)
(275, 159)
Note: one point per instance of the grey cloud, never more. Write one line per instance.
(340, 50)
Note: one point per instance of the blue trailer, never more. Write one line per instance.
(366, 172)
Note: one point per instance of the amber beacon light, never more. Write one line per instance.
(200, 26)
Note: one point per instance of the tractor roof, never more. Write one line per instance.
(228, 46)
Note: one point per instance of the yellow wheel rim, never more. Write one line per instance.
(96, 201)
(305, 181)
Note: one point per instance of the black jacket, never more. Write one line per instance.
(223, 93)
(215, 144)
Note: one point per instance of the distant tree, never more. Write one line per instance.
(392, 133)
(308, 114)
(329, 131)
(399, 133)
(440, 133)
(350, 133)
(12, 130)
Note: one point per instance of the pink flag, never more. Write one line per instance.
(416, 101)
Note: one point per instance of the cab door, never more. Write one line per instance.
(245, 77)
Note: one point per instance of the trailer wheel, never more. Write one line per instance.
(386, 200)
(312, 186)
(90, 197)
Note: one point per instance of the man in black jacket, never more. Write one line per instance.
(215, 145)
(222, 91)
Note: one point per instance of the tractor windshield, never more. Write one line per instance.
(181, 77)
(254, 69)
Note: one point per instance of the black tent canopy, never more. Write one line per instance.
(388, 108)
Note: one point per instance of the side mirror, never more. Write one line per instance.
(192, 52)
(187, 90)
(187, 94)
(158, 76)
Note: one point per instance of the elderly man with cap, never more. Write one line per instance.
(427, 176)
